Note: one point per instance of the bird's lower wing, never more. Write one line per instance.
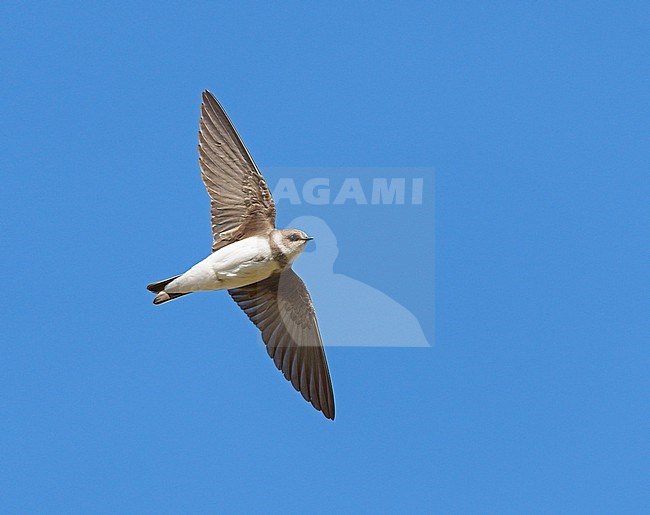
(281, 308)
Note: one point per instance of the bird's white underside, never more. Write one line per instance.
(241, 263)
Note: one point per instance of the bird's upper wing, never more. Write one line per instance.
(281, 308)
(241, 203)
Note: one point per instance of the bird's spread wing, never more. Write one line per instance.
(241, 203)
(282, 310)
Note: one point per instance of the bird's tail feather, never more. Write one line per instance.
(160, 285)
(163, 297)
(159, 288)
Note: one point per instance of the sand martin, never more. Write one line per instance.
(252, 260)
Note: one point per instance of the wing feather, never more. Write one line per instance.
(240, 201)
(282, 310)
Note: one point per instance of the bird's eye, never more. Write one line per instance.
(293, 237)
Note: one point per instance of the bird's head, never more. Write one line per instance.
(293, 242)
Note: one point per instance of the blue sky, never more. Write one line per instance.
(534, 395)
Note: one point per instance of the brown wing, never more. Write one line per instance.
(241, 203)
(281, 308)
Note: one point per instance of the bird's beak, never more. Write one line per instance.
(309, 238)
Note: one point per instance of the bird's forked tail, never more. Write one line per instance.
(159, 288)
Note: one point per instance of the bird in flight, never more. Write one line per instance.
(252, 260)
